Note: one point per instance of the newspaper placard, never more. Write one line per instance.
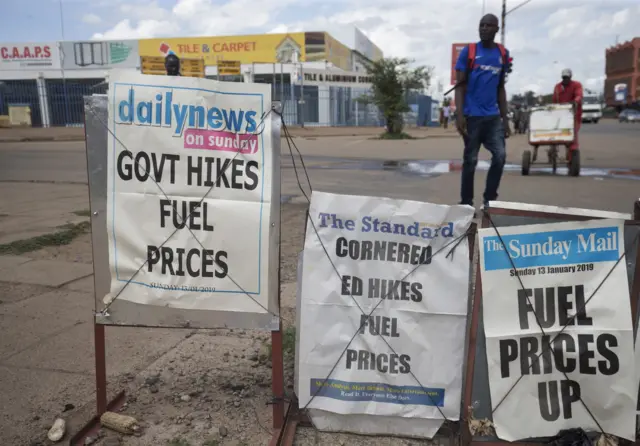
(389, 255)
(189, 193)
(576, 288)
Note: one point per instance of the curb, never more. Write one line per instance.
(18, 139)
(41, 139)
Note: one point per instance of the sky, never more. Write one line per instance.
(543, 36)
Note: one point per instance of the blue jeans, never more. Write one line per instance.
(487, 130)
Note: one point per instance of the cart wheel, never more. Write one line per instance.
(574, 165)
(526, 162)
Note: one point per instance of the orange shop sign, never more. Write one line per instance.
(260, 48)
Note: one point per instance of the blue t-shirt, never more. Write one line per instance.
(482, 85)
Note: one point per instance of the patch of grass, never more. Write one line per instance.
(401, 135)
(288, 345)
(289, 341)
(64, 236)
(83, 213)
(178, 442)
(211, 443)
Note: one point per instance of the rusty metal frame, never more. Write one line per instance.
(297, 416)
(467, 438)
(277, 357)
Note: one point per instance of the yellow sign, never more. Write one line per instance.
(155, 65)
(228, 67)
(260, 48)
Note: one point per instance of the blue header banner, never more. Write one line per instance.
(376, 392)
(551, 248)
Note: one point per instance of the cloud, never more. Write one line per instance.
(91, 19)
(543, 36)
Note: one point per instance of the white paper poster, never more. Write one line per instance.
(637, 356)
(199, 238)
(562, 267)
(389, 256)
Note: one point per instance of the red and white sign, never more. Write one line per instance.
(29, 56)
(456, 48)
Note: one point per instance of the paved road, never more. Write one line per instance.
(607, 145)
(611, 127)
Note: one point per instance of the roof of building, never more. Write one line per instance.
(633, 43)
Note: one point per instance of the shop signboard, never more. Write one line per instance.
(99, 55)
(29, 56)
(262, 48)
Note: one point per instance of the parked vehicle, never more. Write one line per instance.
(591, 108)
(629, 115)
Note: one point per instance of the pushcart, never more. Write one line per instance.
(553, 126)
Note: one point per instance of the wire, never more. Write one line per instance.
(518, 7)
(549, 347)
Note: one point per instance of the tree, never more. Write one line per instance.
(391, 80)
(528, 98)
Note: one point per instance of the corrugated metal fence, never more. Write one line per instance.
(58, 102)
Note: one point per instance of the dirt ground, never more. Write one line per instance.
(213, 388)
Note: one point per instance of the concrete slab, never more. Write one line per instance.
(84, 285)
(15, 292)
(29, 211)
(128, 349)
(12, 261)
(26, 323)
(32, 399)
(45, 272)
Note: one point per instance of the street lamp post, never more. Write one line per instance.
(504, 16)
(505, 13)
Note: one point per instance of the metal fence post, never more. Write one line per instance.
(43, 101)
(301, 95)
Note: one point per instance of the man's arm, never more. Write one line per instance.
(461, 89)
(555, 99)
(502, 104)
(578, 93)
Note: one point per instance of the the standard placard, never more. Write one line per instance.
(575, 287)
(189, 193)
(389, 256)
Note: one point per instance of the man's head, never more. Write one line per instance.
(566, 76)
(172, 65)
(489, 26)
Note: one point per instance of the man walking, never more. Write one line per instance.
(446, 110)
(569, 91)
(482, 101)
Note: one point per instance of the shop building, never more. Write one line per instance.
(622, 84)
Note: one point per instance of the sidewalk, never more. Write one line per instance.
(27, 134)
